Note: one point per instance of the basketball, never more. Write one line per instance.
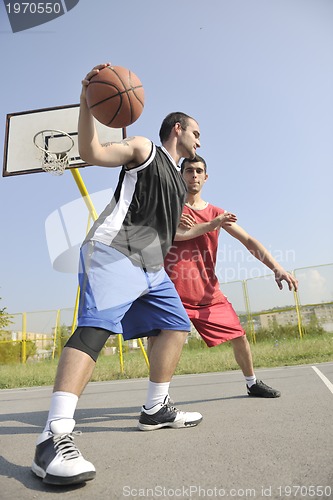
(115, 96)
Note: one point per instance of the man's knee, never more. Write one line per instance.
(242, 340)
(89, 339)
(176, 336)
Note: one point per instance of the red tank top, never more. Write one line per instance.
(191, 263)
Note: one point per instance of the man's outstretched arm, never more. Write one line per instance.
(258, 250)
(188, 229)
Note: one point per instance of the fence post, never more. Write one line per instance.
(298, 313)
(248, 312)
(121, 359)
(24, 338)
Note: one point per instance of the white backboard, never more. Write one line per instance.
(20, 153)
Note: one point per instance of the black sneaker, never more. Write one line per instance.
(170, 401)
(261, 390)
(57, 460)
(166, 415)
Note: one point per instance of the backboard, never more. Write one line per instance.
(20, 153)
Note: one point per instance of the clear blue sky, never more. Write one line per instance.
(256, 74)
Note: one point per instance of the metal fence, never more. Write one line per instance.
(258, 302)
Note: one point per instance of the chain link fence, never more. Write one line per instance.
(261, 306)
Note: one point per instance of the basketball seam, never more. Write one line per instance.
(99, 82)
(119, 93)
(138, 98)
(133, 88)
(126, 90)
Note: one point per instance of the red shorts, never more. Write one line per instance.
(216, 323)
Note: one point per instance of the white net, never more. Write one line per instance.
(54, 163)
(54, 146)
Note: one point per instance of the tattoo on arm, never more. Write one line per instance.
(124, 142)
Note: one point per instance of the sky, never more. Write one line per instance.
(258, 77)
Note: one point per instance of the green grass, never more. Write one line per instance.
(194, 359)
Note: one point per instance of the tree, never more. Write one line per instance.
(5, 319)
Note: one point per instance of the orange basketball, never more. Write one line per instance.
(115, 96)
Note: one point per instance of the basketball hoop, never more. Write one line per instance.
(54, 146)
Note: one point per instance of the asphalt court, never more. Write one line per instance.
(244, 447)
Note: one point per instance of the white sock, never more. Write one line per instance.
(250, 381)
(157, 393)
(63, 405)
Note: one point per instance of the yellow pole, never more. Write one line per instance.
(76, 307)
(56, 333)
(24, 337)
(143, 352)
(299, 316)
(248, 311)
(84, 192)
(93, 214)
(121, 359)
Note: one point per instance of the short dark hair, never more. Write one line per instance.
(170, 121)
(196, 159)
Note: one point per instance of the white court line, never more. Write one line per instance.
(324, 379)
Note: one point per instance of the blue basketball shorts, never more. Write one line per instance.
(121, 297)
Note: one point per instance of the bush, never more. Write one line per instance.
(11, 352)
(195, 343)
(287, 332)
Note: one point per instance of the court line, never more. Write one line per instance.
(230, 373)
(328, 384)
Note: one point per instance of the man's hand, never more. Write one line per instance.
(227, 219)
(189, 229)
(85, 82)
(282, 275)
(223, 220)
(186, 221)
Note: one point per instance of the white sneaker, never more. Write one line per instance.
(166, 415)
(57, 460)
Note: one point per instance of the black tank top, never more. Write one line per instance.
(142, 218)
